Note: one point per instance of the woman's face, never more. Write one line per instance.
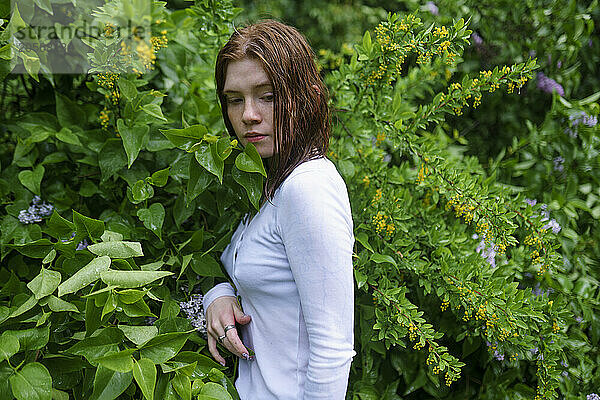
(249, 96)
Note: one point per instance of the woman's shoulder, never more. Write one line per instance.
(313, 178)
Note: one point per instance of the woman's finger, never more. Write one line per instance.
(212, 348)
(235, 344)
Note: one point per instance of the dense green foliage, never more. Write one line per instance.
(475, 259)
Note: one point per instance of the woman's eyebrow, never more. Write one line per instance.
(259, 86)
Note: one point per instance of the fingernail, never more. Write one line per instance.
(246, 356)
(222, 363)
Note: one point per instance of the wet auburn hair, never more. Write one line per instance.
(301, 117)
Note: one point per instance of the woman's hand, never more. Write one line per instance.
(222, 312)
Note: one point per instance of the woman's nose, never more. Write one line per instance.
(251, 114)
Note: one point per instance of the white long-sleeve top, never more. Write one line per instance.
(292, 267)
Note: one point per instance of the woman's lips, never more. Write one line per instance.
(255, 138)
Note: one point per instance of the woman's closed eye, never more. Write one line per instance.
(234, 100)
(267, 97)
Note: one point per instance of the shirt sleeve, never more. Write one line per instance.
(220, 290)
(315, 224)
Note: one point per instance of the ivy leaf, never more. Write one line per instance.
(159, 178)
(141, 191)
(187, 137)
(144, 372)
(134, 138)
(252, 182)
(382, 258)
(120, 361)
(139, 334)
(213, 390)
(86, 226)
(154, 110)
(208, 156)
(86, 275)
(153, 218)
(183, 386)
(128, 88)
(199, 180)
(9, 346)
(109, 384)
(117, 249)
(69, 113)
(111, 158)
(59, 305)
(131, 279)
(32, 179)
(163, 347)
(33, 382)
(44, 283)
(250, 161)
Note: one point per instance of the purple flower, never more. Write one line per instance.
(549, 85)
(477, 40)
(534, 350)
(592, 396)
(554, 225)
(498, 356)
(432, 8)
(578, 319)
(559, 64)
(82, 245)
(558, 164)
(36, 211)
(194, 312)
(531, 202)
(489, 253)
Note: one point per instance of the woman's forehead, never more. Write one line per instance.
(245, 74)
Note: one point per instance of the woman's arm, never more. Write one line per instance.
(221, 309)
(315, 223)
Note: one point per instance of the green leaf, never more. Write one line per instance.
(214, 390)
(59, 305)
(86, 275)
(9, 346)
(36, 249)
(139, 334)
(117, 249)
(251, 182)
(32, 179)
(185, 138)
(110, 236)
(208, 156)
(153, 218)
(159, 178)
(88, 226)
(144, 372)
(44, 283)
(363, 239)
(163, 347)
(31, 61)
(131, 279)
(44, 5)
(250, 161)
(59, 227)
(128, 88)
(32, 339)
(134, 139)
(111, 158)
(23, 308)
(69, 113)
(109, 384)
(67, 136)
(382, 258)
(130, 296)
(98, 346)
(183, 386)
(33, 382)
(141, 190)
(366, 42)
(49, 257)
(120, 361)
(199, 180)
(206, 265)
(154, 110)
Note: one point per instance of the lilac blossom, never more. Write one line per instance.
(558, 164)
(584, 118)
(82, 245)
(549, 85)
(194, 312)
(498, 356)
(531, 202)
(578, 319)
(477, 40)
(554, 225)
(36, 211)
(432, 8)
(487, 252)
(592, 396)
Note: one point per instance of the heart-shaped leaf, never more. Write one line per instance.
(153, 218)
(32, 179)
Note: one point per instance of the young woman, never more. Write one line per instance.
(291, 263)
